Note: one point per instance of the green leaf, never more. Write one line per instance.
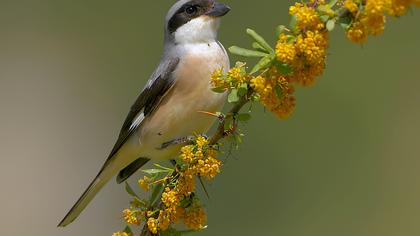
(186, 202)
(243, 117)
(155, 171)
(258, 46)
(137, 203)
(284, 68)
(262, 64)
(345, 22)
(128, 230)
(324, 18)
(279, 91)
(246, 52)
(326, 10)
(259, 39)
(293, 22)
(330, 25)
(129, 190)
(163, 167)
(280, 29)
(233, 96)
(332, 3)
(155, 194)
(243, 90)
(219, 90)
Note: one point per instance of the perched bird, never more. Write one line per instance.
(167, 109)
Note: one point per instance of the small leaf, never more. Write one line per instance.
(155, 171)
(129, 190)
(128, 230)
(345, 21)
(156, 191)
(284, 68)
(163, 167)
(293, 22)
(279, 91)
(332, 3)
(138, 203)
(246, 52)
(262, 64)
(258, 46)
(280, 29)
(345, 26)
(330, 25)
(326, 10)
(219, 90)
(243, 90)
(243, 117)
(233, 96)
(259, 39)
(324, 18)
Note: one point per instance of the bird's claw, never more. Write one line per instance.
(177, 141)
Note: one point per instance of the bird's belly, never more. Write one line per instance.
(180, 113)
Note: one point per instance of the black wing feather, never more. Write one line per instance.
(146, 102)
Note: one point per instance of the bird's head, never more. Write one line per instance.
(194, 21)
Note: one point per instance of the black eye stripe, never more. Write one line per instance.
(182, 17)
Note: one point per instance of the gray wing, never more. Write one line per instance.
(159, 83)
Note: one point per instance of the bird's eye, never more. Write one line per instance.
(191, 10)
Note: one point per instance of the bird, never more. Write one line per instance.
(168, 108)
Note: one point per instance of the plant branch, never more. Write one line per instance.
(220, 132)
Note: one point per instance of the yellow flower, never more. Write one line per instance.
(237, 75)
(399, 7)
(306, 16)
(131, 217)
(374, 17)
(195, 218)
(121, 234)
(202, 142)
(312, 45)
(267, 88)
(285, 51)
(351, 6)
(187, 154)
(164, 219)
(170, 198)
(357, 32)
(374, 22)
(144, 183)
(152, 224)
(209, 167)
(216, 79)
(186, 182)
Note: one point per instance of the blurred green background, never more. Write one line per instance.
(346, 163)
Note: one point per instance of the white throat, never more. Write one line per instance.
(202, 29)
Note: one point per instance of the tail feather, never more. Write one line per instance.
(100, 180)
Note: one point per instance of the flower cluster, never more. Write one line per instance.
(368, 17)
(304, 47)
(233, 79)
(275, 92)
(178, 198)
(178, 201)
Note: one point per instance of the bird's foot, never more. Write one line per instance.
(177, 141)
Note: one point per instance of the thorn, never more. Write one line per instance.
(208, 113)
(204, 187)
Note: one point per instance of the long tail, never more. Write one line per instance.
(100, 180)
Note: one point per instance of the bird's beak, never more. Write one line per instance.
(218, 10)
